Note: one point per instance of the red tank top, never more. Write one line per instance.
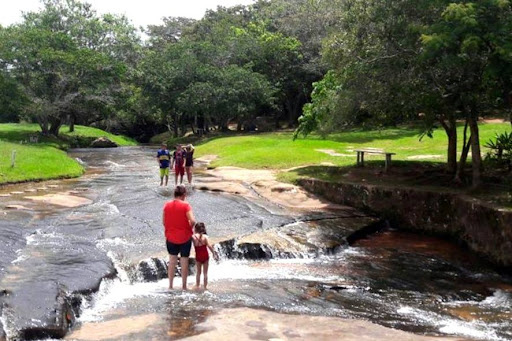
(177, 226)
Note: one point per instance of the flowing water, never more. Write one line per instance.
(105, 259)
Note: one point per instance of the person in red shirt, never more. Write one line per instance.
(178, 221)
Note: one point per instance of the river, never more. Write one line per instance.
(92, 255)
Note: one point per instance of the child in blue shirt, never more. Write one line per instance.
(164, 159)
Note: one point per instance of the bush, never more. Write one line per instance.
(501, 149)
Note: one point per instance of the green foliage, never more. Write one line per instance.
(68, 60)
(501, 148)
(12, 98)
(319, 114)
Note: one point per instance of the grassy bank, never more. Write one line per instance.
(417, 163)
(279, 151)
(46, 159)
(14, 132)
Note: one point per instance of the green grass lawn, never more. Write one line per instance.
(279, 151)
(35, 162)
(44, 160)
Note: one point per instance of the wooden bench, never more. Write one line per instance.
(361, 152)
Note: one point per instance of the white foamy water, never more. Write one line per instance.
(104, 206)
(114, 165)
(81, 162)
(113, 242)
(274, 269)
(452, 326)
(114, 292)
(499, 299)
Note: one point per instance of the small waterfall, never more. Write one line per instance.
(232, 249)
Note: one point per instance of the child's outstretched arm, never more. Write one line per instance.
(214, 253)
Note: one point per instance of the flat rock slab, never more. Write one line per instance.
(250, 324)
(119, 329)
(241, 174)
(288, 195)
(61, 199)
(224, 187)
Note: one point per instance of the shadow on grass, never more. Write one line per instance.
(369, 135)
(197, 141)
(17, 134)
(414, 173)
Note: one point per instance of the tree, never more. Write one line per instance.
(373, 55)
(471, 47)
(12, 99)
(68, 60)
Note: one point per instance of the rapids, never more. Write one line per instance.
(97, 266)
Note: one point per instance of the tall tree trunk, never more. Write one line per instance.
(450, 128)
(43, 123)
(71, 123)
(194, 125)
(55, 125)
(466, 144)
(476, 155)
(292, 107)
(183, 127)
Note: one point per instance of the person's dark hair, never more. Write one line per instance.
(200, 228)
(180, 191)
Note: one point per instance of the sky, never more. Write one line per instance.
(140, 12)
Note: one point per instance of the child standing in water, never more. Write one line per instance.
(201, 245)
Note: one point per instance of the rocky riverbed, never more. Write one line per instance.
(85, 258)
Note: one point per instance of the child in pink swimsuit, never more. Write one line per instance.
(201, 245)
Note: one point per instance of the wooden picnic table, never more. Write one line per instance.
(361, 152)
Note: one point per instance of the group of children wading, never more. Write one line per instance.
(181, 229)
(181, 161)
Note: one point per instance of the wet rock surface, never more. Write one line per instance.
(2, 332)
(154, 269)
(300, 239)
(251, 324)
(486, 230)
(43, 283)
(45, 313)
(103, 142)
(294, 261)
